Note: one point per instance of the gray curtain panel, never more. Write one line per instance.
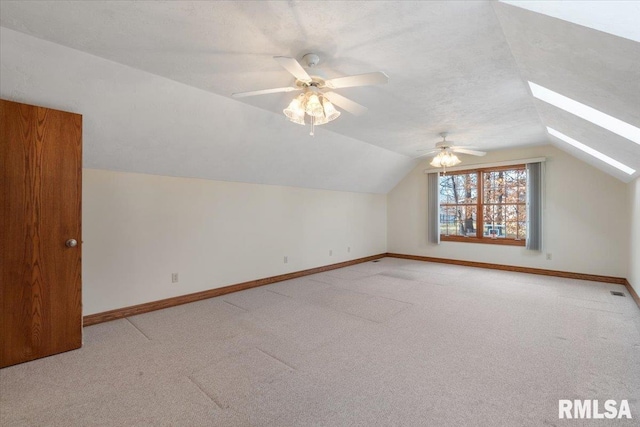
(433, 208)
(534, 206)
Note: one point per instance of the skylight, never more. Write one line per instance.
(598, 155)
(599, 118)
(619, 18)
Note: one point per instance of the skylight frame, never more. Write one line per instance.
(592, 152)
(585, 112)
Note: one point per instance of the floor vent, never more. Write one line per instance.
(618, 294)
(376, 260)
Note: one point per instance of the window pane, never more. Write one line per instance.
(494, 221)
(459, 188)
(522, 230)
(494, 187)
(458, 220)
(511, 212)
(515, 185)
(511, 229)
(505, 221)
(447, 220)
(505, 186)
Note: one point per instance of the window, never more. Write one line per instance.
(484, 206)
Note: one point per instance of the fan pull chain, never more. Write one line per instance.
(313, 121)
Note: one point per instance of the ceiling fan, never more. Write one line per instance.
(446, 150)
(317, 97)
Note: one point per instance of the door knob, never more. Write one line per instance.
(71, 243)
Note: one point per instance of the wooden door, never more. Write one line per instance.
(40, 206)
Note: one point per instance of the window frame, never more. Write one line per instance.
(479, 205)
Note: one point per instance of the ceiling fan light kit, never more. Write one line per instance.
(313, 104)
(317, 99)
(446, 157)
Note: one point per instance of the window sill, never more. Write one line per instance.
(485, 240)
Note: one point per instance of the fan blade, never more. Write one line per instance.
(429, 152)
(467, 151)
(345, 103)
(367, 79)
(264, 92)
(294, 67)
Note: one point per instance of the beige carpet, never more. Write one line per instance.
(394, 342)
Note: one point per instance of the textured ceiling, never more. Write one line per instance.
(589, 66)
(450, 65)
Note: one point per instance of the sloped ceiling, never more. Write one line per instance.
(450, 64)
(595, 68)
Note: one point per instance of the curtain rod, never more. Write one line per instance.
(489, 165)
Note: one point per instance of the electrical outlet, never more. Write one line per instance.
(330, 252)
(286, 259)
(174, 277)
(348, 248)
(548, 257)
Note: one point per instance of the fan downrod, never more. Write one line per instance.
(444, 143)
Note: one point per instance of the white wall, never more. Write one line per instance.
(634, 242)
(586, 219)
(138, 229)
